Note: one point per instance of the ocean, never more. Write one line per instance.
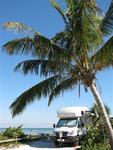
(34, 131)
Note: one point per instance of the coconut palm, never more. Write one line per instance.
(72, 57)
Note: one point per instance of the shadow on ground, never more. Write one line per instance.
(46, 144)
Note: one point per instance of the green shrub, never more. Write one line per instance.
(96, 147)
(96, 137)
(14, 132)
(3, 137)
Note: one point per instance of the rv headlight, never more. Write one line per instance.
(71, 133)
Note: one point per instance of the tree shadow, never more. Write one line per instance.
(48, 144)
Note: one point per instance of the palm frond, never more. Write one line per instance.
(17, 27)
(59, 9)
(42, 89)
(46, 48)
(71, 3)
(64, 39)
(84, 25)
(58, 38)
(103, 58)
(19, 46)
(42, 67)
(107, 22)
(38, 45)
(63, 86)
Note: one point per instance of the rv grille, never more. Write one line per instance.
(64, 134)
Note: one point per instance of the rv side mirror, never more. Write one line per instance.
(53, 125)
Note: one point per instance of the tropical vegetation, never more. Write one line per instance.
(96, 137)
(15, 132)
(2, 137)
(71, 58)
(96, 117)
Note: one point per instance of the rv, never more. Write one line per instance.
(71, 124)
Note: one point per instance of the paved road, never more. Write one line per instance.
(41, 145)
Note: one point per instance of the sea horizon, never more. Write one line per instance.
(31, 130)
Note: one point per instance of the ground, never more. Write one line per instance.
(39, 145)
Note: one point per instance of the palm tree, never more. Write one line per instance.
(72, 57)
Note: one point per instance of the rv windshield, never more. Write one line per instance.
(68, 122)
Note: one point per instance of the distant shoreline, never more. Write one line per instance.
(34, 130)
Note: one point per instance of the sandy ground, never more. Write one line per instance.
(40, 145)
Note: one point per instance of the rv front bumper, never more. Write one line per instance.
(68, 139)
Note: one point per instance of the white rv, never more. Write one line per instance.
(71, 124)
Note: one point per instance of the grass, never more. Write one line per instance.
(8, 144)
(3, 137)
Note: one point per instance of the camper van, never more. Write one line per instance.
(71, 124)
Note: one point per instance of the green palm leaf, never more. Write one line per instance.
(20, 46)
(58, 8)
(65, 85)
(42, 67)
(46, 48)
(85, 35)
(107, 22)
(103, 58)
(43, 88)
(38, 45)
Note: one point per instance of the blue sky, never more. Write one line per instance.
(40, 15)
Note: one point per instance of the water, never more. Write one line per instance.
(37, 130)
(34, 130)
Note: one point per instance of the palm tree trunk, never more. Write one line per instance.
(103, 112)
